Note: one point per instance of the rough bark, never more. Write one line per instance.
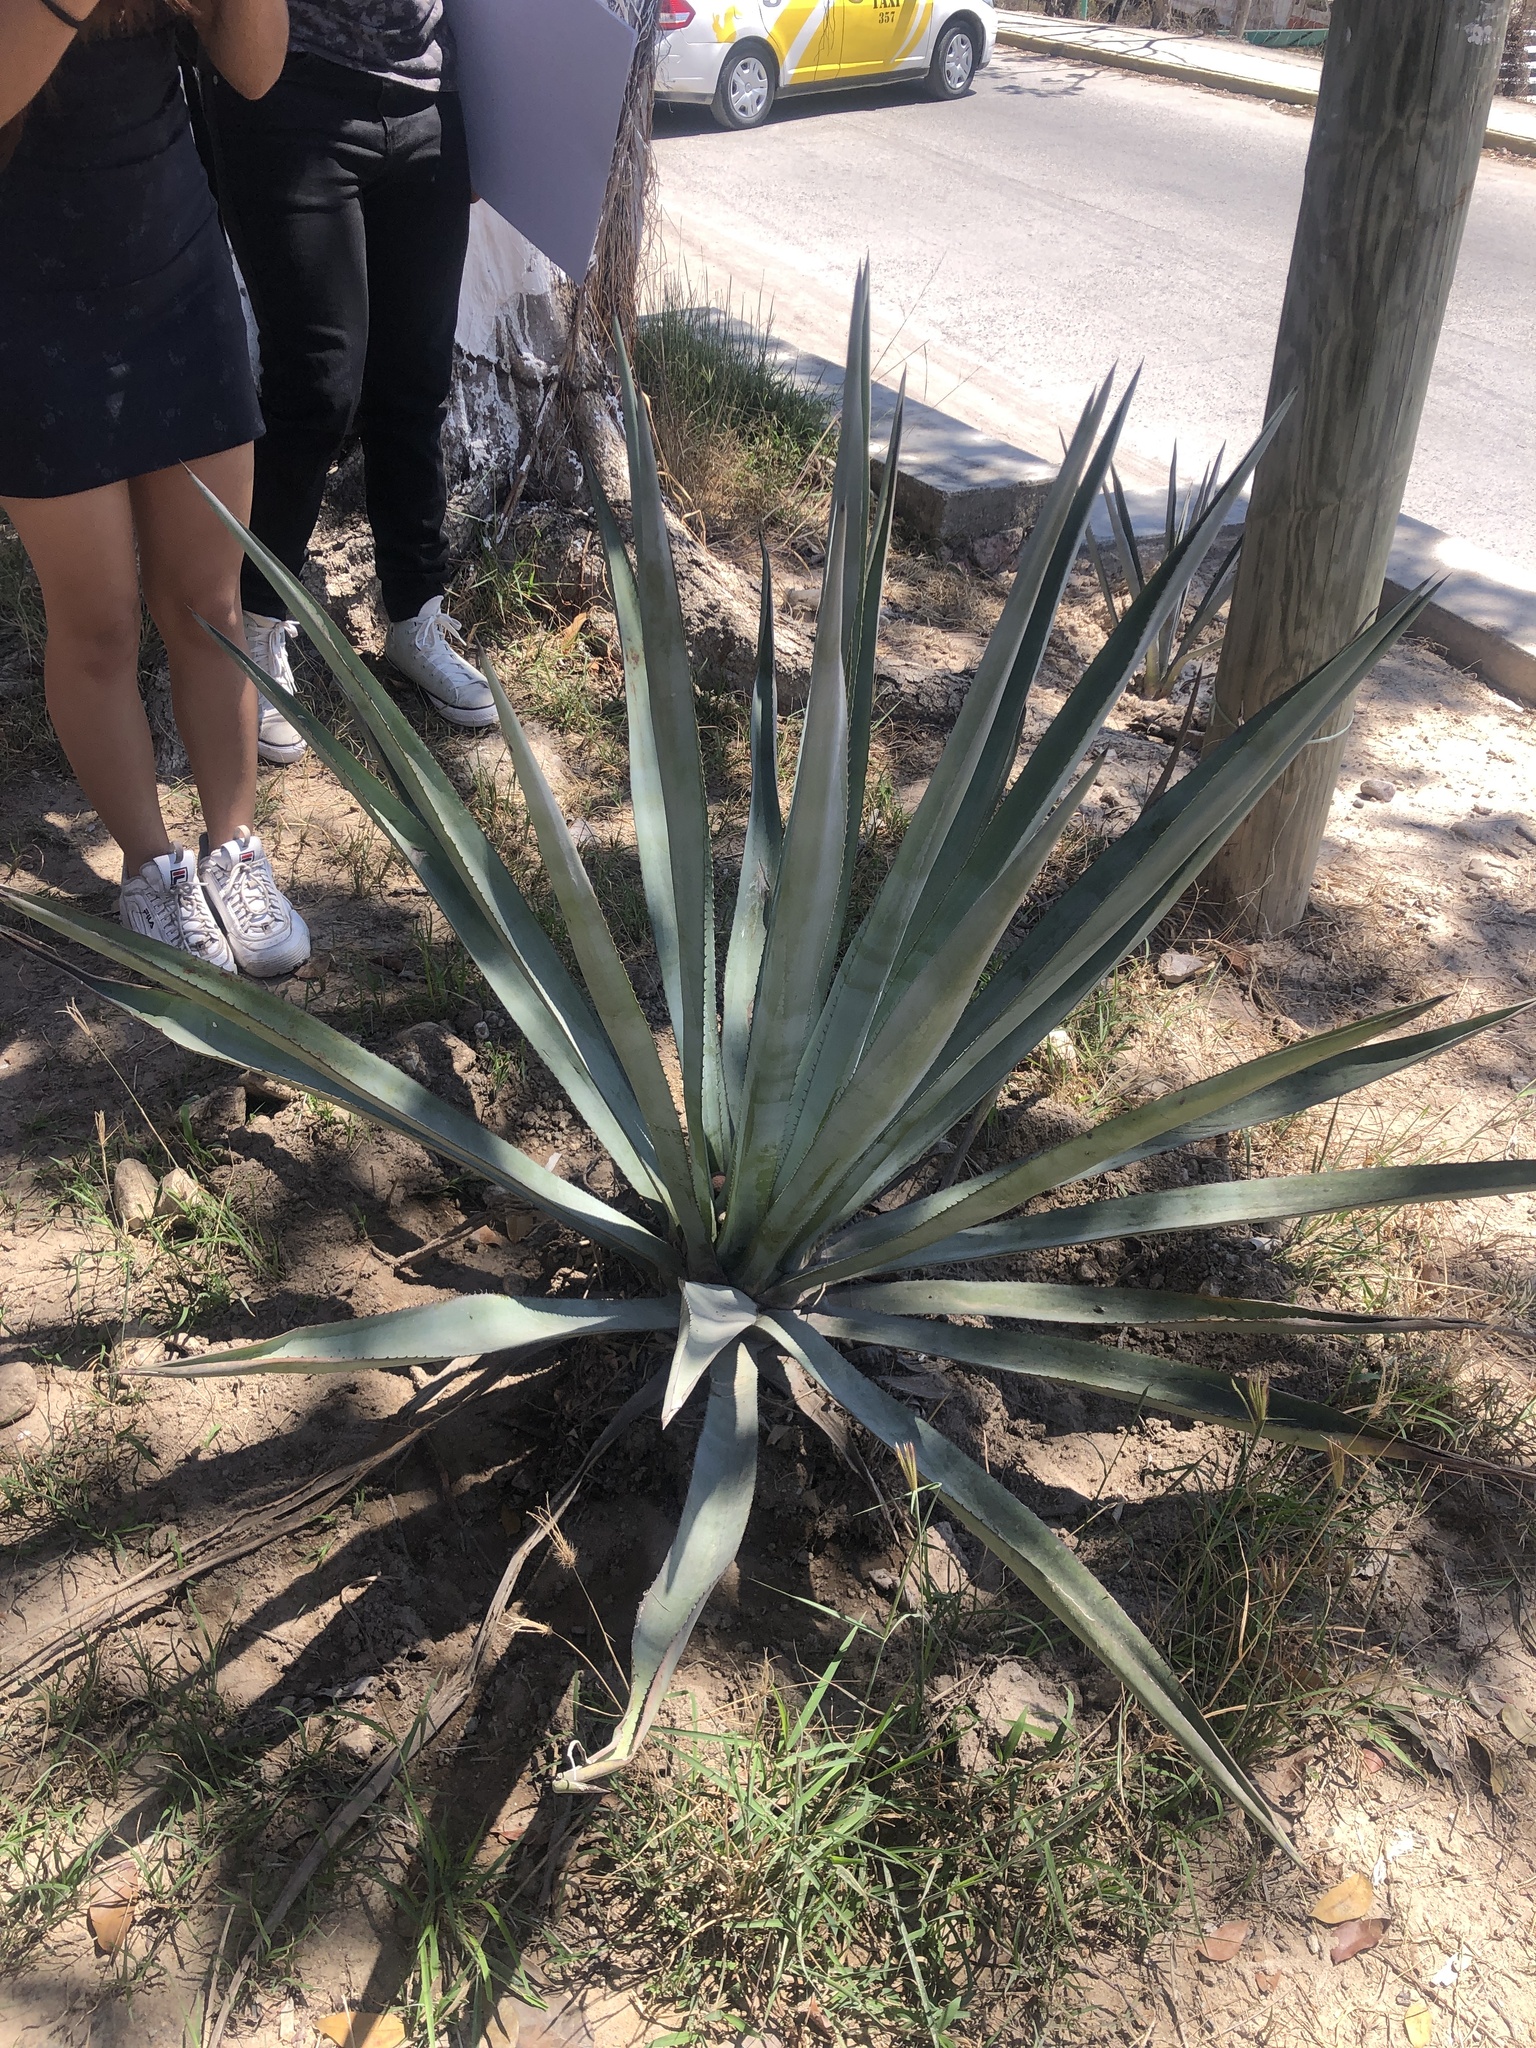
(1395, 146)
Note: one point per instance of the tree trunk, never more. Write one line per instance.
(1401, 112)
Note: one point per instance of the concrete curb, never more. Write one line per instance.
(956, 485)
(1220, 67)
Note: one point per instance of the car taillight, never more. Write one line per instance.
(674, 14)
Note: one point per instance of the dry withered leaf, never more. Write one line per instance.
(1351, 1899)
(362, 2029)
(1223, 1943)
(109, 1910)
(1267, 1980)
(109, 1927)
(1519, 1724)
(1354, 1937)
(1419, 2024)
(1371, 1760)
(1494, 1771)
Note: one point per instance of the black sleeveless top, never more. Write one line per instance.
(122, 340)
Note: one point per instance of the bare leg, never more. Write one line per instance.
(82, 549)
(190, 566)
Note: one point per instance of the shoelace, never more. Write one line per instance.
(198, 928)
(250, 891)
(274, 639)
(437, 631)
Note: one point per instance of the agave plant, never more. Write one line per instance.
(822, 1066)
(1177, 641)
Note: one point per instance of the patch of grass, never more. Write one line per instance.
(80, 1469)
(859, 1854)
(743, 443)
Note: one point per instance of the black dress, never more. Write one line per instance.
(122, 340)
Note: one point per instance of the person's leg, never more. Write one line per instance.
(189, 564)
(82, 548)
(291, 167)
(416, 220)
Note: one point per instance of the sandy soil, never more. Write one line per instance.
(331, 1636)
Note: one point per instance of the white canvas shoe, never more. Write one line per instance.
(421, 649)
(266, 934)
(266, 641)
(165, 901)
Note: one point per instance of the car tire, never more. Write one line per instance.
(749, 82)
(953, 70)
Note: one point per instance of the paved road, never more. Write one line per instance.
(1066, 217)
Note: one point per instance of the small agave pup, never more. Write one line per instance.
(824, 1064)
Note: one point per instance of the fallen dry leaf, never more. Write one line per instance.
(1520, 1724)
(362, 2029)
(1354, 1938)
(1223, 1943)
(1351, 1899)
(1419, 2024)
(1267, 1980)
(1372, 1761)
(109, 1927)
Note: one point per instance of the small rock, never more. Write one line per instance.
(179, 1194)
(994, 552)
(134, 1192)
(357, 1741)
(1177, 968)
(18, 1391)
(881, 1579)
(215, 1115)
(1015, 1698)
(1058, 1044)
(1377, 790)
(266, 1090)
(1520, 1082)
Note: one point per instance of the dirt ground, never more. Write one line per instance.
(295, 1657)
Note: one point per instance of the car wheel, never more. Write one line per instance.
(953, 69)
(748, 82)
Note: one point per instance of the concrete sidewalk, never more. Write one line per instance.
(1221, 66)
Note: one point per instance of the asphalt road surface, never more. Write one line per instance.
(1064, 218)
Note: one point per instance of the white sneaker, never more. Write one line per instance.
(420, 649)
(165, 901)
(266, 641)
(266, 934)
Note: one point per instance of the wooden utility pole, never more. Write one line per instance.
(1401, 112)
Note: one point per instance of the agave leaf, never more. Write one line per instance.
(1226, 1202)
(850, 473)
(708, 1538)
(671, 743)
(232, 1019)
(1146, 1308)
(606, 976)
(980, 747)
(1057, 1579)
(513, 952)
(899, 1054)
(803, 920)
(712, 1318)
(447, 840)
(759, 860)
(1259, 1091)
(472, 1325)
(1092, 926)
(862, 666)
(1145, 1380)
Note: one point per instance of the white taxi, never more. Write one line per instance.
(739, 60)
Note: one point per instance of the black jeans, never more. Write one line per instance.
(346, 198)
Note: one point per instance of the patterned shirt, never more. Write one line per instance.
(404, 39)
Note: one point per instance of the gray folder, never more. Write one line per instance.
(542, 84)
